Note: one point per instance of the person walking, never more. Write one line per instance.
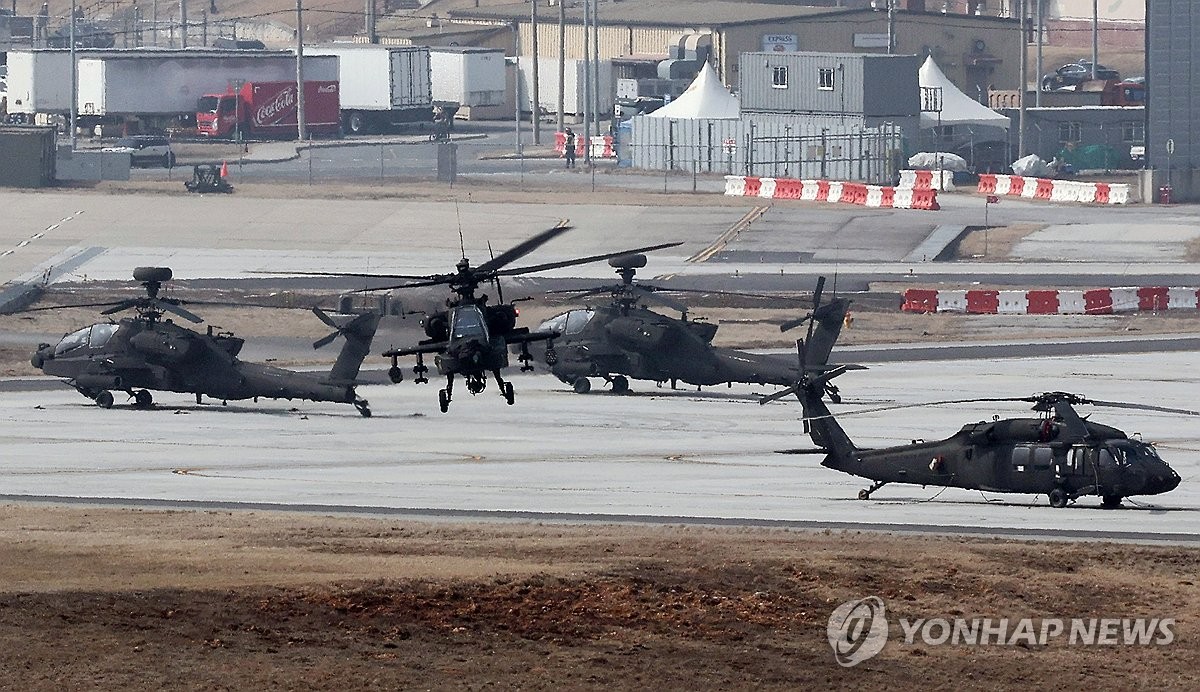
(569, 147)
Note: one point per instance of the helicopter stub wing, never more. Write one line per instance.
(526, 337)
(434, 347)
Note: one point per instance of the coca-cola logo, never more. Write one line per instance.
(276, 108)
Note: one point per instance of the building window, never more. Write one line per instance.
(779, 77)
(825, 78)
(1070, 132)
(1133, 132)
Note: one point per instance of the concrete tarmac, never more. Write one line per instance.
(652, 455)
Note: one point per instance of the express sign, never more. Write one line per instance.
(780, 43)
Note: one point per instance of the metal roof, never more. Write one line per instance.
(644, 12)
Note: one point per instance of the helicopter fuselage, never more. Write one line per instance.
(162, 356)
(1019, 456)
(646, 345)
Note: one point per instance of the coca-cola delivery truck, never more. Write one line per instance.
(268, 110)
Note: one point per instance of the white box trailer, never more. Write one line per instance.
(468, 77)
(39, 81)
(381, 86)
(145, 84)
(573, 98)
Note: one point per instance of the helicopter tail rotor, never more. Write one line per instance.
(354, 326)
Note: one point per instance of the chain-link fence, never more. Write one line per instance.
(779, 147)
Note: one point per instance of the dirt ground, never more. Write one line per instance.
(138, 600)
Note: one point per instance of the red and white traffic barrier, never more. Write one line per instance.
(1096, 301)
(927, 180)
(837, 191)
(602, 145)
(1053, 190)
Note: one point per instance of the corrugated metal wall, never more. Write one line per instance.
(614, 40)
(27, 156)
(757, 93)
(768, 145)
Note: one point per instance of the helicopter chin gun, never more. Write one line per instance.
(525, 357)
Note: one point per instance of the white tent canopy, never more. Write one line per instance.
(957, 107)
(705, 97)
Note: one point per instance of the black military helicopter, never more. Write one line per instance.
(625, 339)
(1058, 453)
(147, 352)
(471, 337)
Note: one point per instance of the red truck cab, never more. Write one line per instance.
(268, 110)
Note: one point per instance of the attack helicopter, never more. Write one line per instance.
(625, 339)
(471, 337)
(1057, 453)
(150, 352)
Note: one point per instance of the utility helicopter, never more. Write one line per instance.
(1057, 453)
(471, 337)
(150, 352)
(625, 339)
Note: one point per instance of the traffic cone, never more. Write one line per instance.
(224, 169)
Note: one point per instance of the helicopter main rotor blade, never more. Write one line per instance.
(123, 305)
(393, 287)
(582, 260)
(1143, 407)
(738, 294)
(523, 248)
(63, 307)
(354, 275)
(172, 307)
(653, 297)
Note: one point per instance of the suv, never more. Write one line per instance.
(146, 150)
(1076, 73)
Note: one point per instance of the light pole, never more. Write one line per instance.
(74, 80)
(536, 110)
(301, 126)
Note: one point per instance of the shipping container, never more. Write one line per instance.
(381, 86)
(467, 77)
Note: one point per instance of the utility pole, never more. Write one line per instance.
(301, 128)
(371, 37)
(183, 24)
(74, 81)
(1095, 35)
(595, 67)
(562, 64)
(1023, 62)
(1037, 73)
(587, 82)
(891, 26)
(535, 113)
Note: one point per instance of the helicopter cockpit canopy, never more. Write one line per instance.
(1129, 452)
(568, 323)
(469, 323)
(95, 336)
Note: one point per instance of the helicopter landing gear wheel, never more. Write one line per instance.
(1058, 498)
(620, 384)
(444, 400)
(582, 385)
(1110, 501)
(509, 395)
(865, 493)
(364, 409)
(143, 399)
(104, 399)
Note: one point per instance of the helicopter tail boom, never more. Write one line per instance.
(358, 332)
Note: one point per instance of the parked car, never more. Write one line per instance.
(1076, 73)
(145, 150)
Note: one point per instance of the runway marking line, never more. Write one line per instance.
(727, 237)
(42, 234)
